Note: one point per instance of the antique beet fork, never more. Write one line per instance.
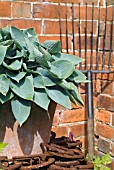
(96, 64)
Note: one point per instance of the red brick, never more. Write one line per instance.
(107, 87)
(21, 10)
(64, 1)
(70, 116)
(89, 27)
(107, 43)
(103, 145)
(97, 86)
(112, 119)
(105, 101)
(60, 131)
(89, 2)
(108, 58)
(5, 9)
(56, 118)
(23, 24)
(83, 13)
(103, 116)
(88, 43)
(79, 129)
(105, 131)
(109, 13)
(50, 11)
(52, 27)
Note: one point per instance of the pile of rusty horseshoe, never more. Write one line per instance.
(59, 154)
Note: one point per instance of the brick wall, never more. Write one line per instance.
(43, 16)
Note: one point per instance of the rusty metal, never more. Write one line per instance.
(55, 156)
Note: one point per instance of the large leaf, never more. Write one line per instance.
(3, 50)
(72, 58)
(59, 95)
(76, 75)
(77, 97)
(24, 88)
(4, 84)
(67, 85)
(48, 78)
(65, 67)
(46, 53)
(7, 43)
(6, 98)
(52, 46)
(18, 36)
(16, 76)
(21, 109)
(15, 65)
(38, 81)
(38, 56)
(18, 55)
(31, 34)
(2, 146)
(41, 98)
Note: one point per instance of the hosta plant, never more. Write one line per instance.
(34, 72)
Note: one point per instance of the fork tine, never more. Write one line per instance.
(60, 25)
(79, 35)
(98, 38)
(72, 10)
(66, 28)
(104, 39)
(111, 35)
(91, 58)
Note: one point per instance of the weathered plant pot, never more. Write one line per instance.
(25, 140)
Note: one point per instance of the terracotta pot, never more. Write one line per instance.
(25, 140)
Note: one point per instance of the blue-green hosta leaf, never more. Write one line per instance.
(3, 50)
(77, 97)
(24, 88)
(1, 38)
(39, 57)
(77, 75)
(15, 65)
(72, 58)
(52, 46)
(21, 109)
(72, 99)
(18, 36)
(65, 67)
(54, 71)
(38, 81)
(4, 84)
(46, 53)
(31, 34)
(41, 98)
(16, 76)
(5, 31)
(67, 85)
(18, 55)
(49, 79)
(81, 81)
(2, 146)
(6, 98)
(7, 43)
(59, 95)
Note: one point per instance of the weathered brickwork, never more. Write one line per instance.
(43, 16)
